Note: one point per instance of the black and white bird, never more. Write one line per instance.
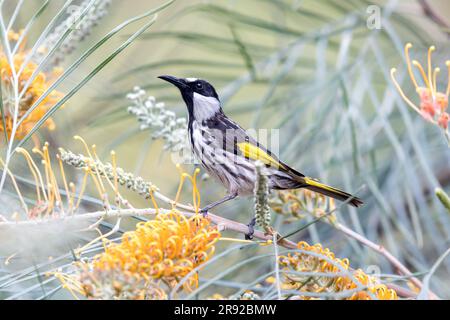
(229, 154)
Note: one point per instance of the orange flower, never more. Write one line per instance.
(296, 204)
(35, 89)
(304, 262)
(166, 248)
(48, 183)
(433, 103)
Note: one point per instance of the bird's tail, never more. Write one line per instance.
(316, 186)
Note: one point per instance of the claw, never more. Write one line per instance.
(251, 229)
(204, 212)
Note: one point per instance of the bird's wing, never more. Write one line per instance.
(234, 139)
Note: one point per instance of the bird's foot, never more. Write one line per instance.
(251, 229)
(204, 212)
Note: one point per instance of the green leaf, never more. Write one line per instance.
(443, 198)
(30, 24)
(55, 108)
(243, 51)
(50, 112)
(3, 113)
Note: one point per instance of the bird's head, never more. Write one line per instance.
(199, 95)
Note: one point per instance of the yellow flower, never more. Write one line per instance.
(107, 285)
(41, 82)
(297, 203)
(433, 103)
(246, 295)
(48, 200)
(217, 296)
(304, 262)
(167, 248)
(54, 195)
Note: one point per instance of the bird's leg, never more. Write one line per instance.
(251, 229)
(228, 197)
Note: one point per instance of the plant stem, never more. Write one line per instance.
(222, 223)
(381, 250)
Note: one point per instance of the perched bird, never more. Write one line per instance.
(229, 154)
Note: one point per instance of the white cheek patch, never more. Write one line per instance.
(205, 107)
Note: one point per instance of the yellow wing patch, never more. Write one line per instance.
(253, 152)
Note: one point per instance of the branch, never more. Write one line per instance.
(148, 190)
(429, 12)
(381, 250)
(222, 223)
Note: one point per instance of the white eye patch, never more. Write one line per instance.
(191, 79)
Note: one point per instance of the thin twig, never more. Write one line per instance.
(431, 14)
(381, 250)
(277, 266)
(222, 223)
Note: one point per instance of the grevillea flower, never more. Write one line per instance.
(111, 284)
(158, 253)
(108, 171)
(54, 196)
(433, 103)
(261, 192)
(163, 123)
(323, 261)
(296, 204)
(35, 84)
(246, 295)
(82, 28)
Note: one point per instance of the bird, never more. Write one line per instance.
(229, 154)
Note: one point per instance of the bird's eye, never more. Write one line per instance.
(199, 85)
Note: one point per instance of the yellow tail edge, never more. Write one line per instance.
(332, 192)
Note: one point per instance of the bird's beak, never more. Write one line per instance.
(178, 82)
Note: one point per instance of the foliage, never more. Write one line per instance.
(74, 225)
